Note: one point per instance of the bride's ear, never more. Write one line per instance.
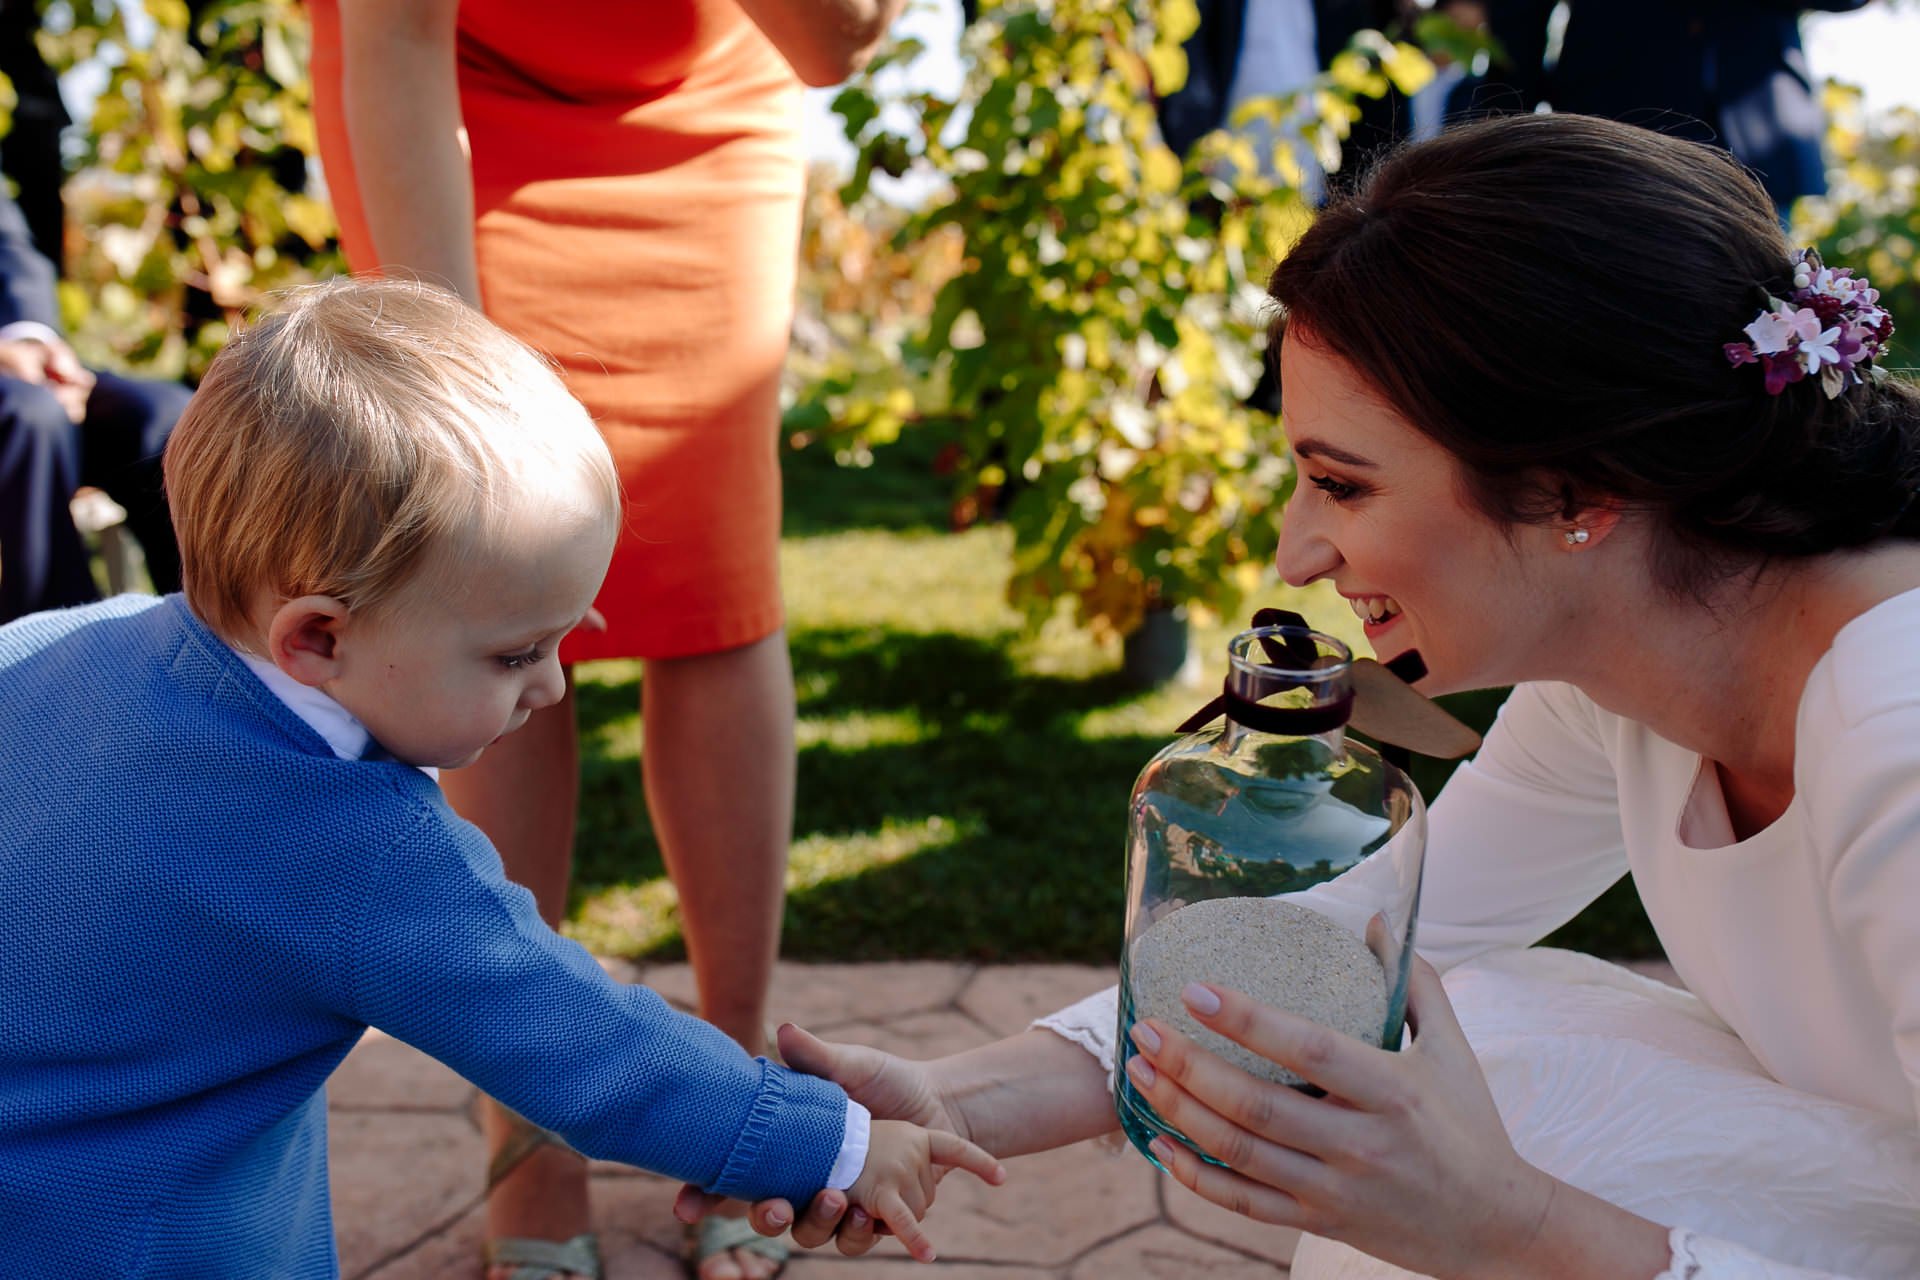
(303, 638)
(1587, 520)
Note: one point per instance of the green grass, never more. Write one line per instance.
(962, 785)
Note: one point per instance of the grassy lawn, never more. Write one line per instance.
(962, 786)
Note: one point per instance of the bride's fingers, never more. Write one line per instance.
(816, 1226)
(1213, 1089)
(1430, 1014)
(850, 1066)
(690, 1203)
(1226, 1188)
(1359, 1073)
(1257, 1155)
(856, 1234)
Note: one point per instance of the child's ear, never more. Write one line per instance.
(303, 638)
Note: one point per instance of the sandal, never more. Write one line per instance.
(714, 1235)
(545, 1259)
(536, 1259)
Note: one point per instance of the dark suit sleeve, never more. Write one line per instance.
(26, 278)
(1199, 106)
(1520, 83)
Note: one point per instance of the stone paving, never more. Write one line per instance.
(407, 1156)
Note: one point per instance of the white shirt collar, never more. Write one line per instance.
(333, 722)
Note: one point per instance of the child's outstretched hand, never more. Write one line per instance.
(904, 1163)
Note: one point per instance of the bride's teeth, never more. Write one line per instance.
(1375, 608)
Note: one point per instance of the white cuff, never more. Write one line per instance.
(853, 1150)
(1093, 1024)
(31, 331)
(1697, 1257)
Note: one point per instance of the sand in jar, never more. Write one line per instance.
(1279, 953)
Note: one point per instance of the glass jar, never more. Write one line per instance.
(1269, 854)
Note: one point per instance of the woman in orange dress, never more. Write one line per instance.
(619, 184)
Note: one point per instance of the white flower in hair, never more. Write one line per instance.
(1818, 349)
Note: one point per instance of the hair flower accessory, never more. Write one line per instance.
(1828, 328)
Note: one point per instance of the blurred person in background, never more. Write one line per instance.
(1727, 72)
(63, 426)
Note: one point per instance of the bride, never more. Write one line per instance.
(1569, 414)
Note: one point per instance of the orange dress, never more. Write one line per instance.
(638, 175)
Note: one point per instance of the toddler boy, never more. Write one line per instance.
(225, 855)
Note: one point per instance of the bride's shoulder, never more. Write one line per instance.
(1873, 664)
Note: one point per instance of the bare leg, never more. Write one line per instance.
(719, 767)
(524, 793)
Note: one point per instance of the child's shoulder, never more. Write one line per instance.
(88, 626)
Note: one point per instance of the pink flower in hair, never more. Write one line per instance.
(1828, 328)
(1773, 332)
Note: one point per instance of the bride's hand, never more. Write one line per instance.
(891, 1088)
(1405, 1158)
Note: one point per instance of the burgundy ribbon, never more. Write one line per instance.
(1298, 653)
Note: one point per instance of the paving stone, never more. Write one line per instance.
(1159, 1252)
(451, 1254)
(637, 1207)
(382, 1072)
(820, 997)
(1054, 1206)
(918, 1036)
(1204, 1218)
(407, 1160)
(639, 1240)
(828, 1265)
(1006, 998)
(639, 1236)
(398, 1176)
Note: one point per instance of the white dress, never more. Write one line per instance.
(1770, 1117)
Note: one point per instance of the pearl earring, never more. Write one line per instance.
(1575, 536)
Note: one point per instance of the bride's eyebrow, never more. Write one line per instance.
(1331, 453)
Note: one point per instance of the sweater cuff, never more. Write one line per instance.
(853, 1148)
(789, 1141)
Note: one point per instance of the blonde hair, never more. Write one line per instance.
(358, 431)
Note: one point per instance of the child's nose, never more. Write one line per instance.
(548, 686)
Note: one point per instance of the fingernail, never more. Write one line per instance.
(1162, 1150)
(777, 1217)
(1200, 999)
(859, 1217)
(1144, 1037)
(1141, 1072)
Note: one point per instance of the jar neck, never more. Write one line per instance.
(1288, 680)
(1289, 702)
(1234, 736)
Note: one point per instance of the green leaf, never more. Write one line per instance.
(858, 108)
(1163, 329)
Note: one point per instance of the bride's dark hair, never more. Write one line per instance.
(1549, 297)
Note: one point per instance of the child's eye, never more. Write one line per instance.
(1336, 490)
(515, 661)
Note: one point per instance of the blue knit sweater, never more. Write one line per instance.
(202, 908)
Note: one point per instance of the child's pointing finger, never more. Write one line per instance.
(954, 1152)
(893, 1211)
